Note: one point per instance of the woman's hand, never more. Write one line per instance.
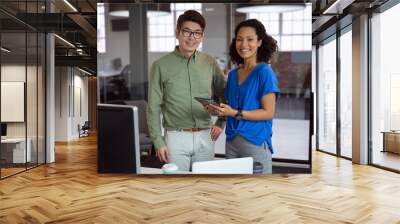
(224, 110)
(211, 110)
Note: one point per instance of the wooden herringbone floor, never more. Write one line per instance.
(71, 191)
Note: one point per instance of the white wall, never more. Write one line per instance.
(61, 103)
(79, 118)
(33, 126)
(71, 86)
(17, 73)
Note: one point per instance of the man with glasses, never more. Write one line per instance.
(175, 79)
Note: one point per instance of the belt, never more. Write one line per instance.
(187, 129)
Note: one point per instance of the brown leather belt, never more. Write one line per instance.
(187, 129)
(195, 129)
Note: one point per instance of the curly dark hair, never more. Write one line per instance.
(191, 15)
(264, 52)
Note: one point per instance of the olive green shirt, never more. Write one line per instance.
(174, 82)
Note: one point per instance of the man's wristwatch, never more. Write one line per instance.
(239, 115)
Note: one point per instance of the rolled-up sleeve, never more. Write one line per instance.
(155, 97)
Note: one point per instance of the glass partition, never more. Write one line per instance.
(326, 137)
(22, 89)
(14, 143)
(385, 89)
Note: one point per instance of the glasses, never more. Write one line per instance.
(188, 33)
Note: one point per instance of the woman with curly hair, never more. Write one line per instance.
(251, 93)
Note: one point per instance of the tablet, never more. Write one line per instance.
(206, 101)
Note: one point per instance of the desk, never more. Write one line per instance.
(391, 141)
(149, 170)
(15, 148)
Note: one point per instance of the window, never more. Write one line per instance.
(292, 30)
(385, 89)
(161, 32)
(101, 31)
(327, 96)
(346, 94)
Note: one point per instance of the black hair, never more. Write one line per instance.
(264, 52)
(191, 15)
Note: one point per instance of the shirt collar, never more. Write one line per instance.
(179, 54)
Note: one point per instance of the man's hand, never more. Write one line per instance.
(163, 154)
(215, 132)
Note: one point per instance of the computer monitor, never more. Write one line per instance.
(3, 129)
(118, 149)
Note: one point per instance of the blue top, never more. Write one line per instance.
(247, 96)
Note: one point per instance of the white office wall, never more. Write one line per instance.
(62, 81)
(34, 124)
(80, 104)
(17, 73)
(13, 73)
(12, 101)
(71, 102)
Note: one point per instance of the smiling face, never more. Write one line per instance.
(189, 36)
(247, 43)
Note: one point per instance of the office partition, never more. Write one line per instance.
(22, 78)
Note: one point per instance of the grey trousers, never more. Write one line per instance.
(185, 148)
(240, 147)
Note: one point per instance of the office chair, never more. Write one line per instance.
(84, 130)
(146, 144)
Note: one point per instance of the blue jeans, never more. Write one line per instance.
(240, 147)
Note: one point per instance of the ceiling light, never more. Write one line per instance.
(247, 8)
(120, 13)
(156, 13)
(337, 7)
(122, 10)
(70, 5)
(5, 50)
(65, 41)
(119, 10)
(154, 10)
(84, 71)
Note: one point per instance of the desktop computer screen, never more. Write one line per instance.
(118, 149)
(3, 129)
